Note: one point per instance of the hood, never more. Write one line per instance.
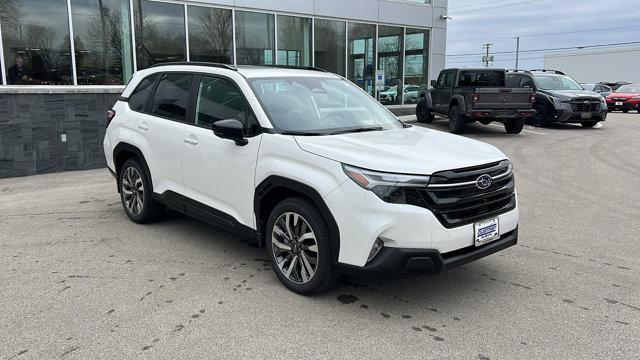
(571, 94)
(412, 150)
(623, 95)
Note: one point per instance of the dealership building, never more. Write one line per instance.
(65, 62)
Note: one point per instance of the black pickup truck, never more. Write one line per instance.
(470, 95)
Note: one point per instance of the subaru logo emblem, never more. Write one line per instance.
(484, 181)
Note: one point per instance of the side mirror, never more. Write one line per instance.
(433, 83)
(231, 129)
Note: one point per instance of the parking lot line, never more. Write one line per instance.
(528, 131)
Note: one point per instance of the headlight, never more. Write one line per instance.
(387, 186)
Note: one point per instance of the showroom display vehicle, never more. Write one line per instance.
(309, 166)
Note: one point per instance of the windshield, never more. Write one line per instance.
(318, 105)
(629, 89)
(557, 82)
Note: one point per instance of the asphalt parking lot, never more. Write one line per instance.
(80, 281)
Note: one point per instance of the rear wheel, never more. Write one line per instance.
(514, 126)
(589, 124)
(423, 113)
(136, 193)
(540, 117)
(299, 247)
(457, 121)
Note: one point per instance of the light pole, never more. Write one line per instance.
(517, 50)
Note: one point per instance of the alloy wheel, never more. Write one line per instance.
(133, 191)
(295, 247)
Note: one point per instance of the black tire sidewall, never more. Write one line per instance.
(514, 126)
(147, 197)
(324, 271)
(541, 110)
(423, 114)
(456, 122)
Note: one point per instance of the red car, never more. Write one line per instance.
(626, 98)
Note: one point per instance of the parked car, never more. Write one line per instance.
(559, 98)
(603, 90)
(614, 85)
(626, 98)
(390, 94)
(308, 165)
(470, 95)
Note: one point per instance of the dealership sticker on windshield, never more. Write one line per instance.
(486, 231)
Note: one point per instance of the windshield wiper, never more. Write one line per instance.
(303, 133)
(358, 129)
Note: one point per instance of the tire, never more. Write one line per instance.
(540, 117)
(136, 194)
(625, 111)
(514, 126)
(457, 121)
(423, 113)
(589, 124)
(304, 277)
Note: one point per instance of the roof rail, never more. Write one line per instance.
(290, 67)
(547, 70)
(197, 63)
(519, 71)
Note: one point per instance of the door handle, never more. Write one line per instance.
(191, 140)
(143, 126)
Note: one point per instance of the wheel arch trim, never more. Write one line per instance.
(123, 146)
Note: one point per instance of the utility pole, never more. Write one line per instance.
(517, 51)
(487, 59)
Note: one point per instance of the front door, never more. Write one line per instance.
(218, 174)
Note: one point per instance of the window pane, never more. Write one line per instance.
(220, 99)
(172, 96)
(37, 50)
(390, 60)
(416, 64)
(362, 39)
(160, 32)
(255, 38)
(102, 38)
(210, 34)
(330, 47)
(294, 41)
(139, 97)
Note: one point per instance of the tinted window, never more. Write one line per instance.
(35, 34)
(220, 99)
(527, 81)
(448, 79)
(481, 78)
(172, 96)
(139, 97)
(514, 81)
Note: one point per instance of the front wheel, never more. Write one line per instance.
(589, 124)
(457, 122)
(299, 246)
(514, 126)
(540, 117)
(625, 111)
(423, 113)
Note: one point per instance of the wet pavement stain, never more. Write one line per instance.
(364, 306)
(386, 316)
(416, 328)
(347, 299)
(405, 316)
(111, 311)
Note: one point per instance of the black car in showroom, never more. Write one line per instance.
(559, 98)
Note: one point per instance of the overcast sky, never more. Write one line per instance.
(498, 21)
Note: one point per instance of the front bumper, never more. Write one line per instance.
(566, 114)
(626, 105)
(396, 262)
(362, 217)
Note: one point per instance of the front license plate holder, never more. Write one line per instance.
(586, 115)
(618, 103)
(486, 231)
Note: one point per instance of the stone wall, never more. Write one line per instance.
(48, 132)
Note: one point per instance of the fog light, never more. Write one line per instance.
(375, 249)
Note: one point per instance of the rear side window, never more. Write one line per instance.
(172, 96)
(139, 97)
(220, 99)
(514, 81)
(481, 78)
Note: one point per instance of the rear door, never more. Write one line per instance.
(441, 93)
(161, 125)
(218, 174)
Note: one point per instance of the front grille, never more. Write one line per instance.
(455, 199)
(584, 105)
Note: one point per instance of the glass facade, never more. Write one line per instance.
(362, 49)
(106, 49)
(330, 45)
(255, 38)
(294, 41)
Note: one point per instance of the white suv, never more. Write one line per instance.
(309, 166)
